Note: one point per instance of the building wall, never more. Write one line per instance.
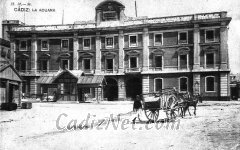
(196, 49)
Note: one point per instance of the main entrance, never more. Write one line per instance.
(133, 86)
(111, 89)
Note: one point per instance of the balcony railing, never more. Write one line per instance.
(183, 67)
(109, 71)
(127, 22)
(132, 70)
(88, 71)
(155, 68)
(36, 72)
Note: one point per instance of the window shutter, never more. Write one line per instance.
(103, 42)
(39, 45)
(116, 42)
(126, 44)
(80, 42)
(151, 39)
(70, 44)
(93, 47)
(140, 40)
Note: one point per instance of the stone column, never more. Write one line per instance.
(145, 84)
(196, 83)
(196, 38)
(121, 88)
(224, 86)
(122, 14)
(7, 91)
(13, 50)
(98, 54)
(20, 94)
(223, 46)
(145, 49)
(98, 16)
(121, 52)
(75, 51)
(33, 87)
(34, 54)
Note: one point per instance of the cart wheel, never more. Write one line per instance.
(152, 115)
(172, 107)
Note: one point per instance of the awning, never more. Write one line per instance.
(45, 80)
(8, 72)
(91, 81)
(52, 79)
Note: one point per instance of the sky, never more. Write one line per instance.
(83, 10)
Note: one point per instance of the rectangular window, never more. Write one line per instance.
(210, 60)
(158, 39)
(158, 85)
(65, 44)
(210, 84)
(3, 54)
(23, 65)
(183, 61)
(133, 40)
(109, 64)
(109, 42)
(86, 64)
(133, 62)
(64, 64)
(44, 65)
(158, 61)
(109, 15)
(183, 84)
(23, 45)
(209, 35)
(86, 43)
(44, 45)
(182, 37)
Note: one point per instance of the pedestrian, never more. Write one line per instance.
(23, 95)
(137, 108)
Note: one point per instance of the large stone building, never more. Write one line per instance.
(135, 55)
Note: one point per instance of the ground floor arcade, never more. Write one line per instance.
(211, 85)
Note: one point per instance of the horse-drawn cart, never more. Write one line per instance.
(165, 100)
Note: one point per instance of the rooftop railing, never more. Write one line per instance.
(127, 22)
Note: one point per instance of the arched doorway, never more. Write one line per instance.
(111, 89)
(133, 87)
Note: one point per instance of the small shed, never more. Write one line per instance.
(62, 86)
(96, 82)
(10, 84)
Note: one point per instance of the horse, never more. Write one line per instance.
(192, 101)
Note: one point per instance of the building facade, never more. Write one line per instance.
(135, 55)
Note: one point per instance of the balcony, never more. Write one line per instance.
(89, 71)
(183, 67)
(37, 72)
(155, 68)
(109, 71)
(133, 70)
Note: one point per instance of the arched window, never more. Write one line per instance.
(183, 84)
(209, 84)
(158, 84)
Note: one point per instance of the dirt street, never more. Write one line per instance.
(59, 126)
